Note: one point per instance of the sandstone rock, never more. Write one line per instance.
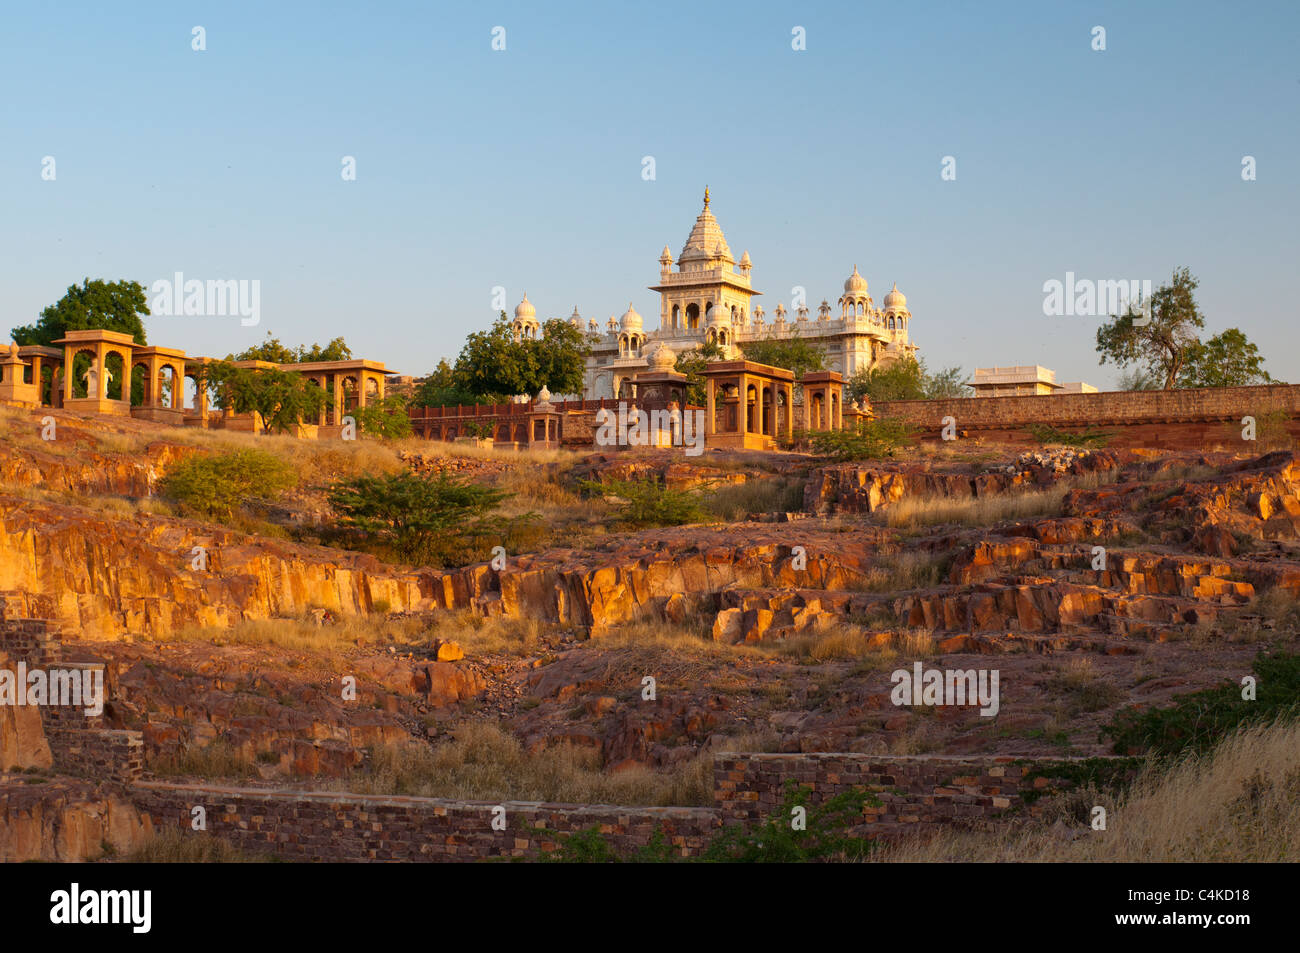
(450, 652)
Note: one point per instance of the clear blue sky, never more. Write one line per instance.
(522, 168)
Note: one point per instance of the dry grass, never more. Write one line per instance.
(733, 502)
(172, 846)
(1240, 803)
(303, 635)
(918, 512)
(909, 569)
(215, 760)
(497, 635)
(484, 762)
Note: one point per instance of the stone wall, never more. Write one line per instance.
(1196, 415)
(913, 790)
(102, 754)
(320, 826)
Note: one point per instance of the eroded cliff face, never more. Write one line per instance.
(109, 576)
(69, 821)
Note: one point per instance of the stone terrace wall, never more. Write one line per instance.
(302, 825)
(1108, 409)
(913, 790)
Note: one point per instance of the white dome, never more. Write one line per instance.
(525, 308)
(855, 283)
(631, 321)
(896, 299)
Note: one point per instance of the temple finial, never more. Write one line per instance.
(706, 196)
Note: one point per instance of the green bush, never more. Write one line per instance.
(215, 486)
(1199, 720)
(648, 502)
(875, 440)
(775, 841)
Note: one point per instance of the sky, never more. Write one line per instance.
(523, 168)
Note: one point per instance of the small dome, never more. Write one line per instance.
(896, 299)
(666, 255)
(525, 308)
(631, 321)
(575, 319)
(719, 316)
(744, 260)
(663, 359)
(544, 395)
(13, 348)
(855, 283)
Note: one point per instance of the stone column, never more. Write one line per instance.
(789, 411)
(758, 407)
(711, 428)
(742, 407)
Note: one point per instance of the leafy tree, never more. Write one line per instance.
(906, 379)
(415, 514)
(560, 355)
(796, 355)
(1163, 344)
(692, 363)
(96, 305)
(282, 398)
(273, 351)
(493, 362)
(945, 383)
(1138, 378)
(386, 419)
(215, 486)
(1226, 360)
(903, 379)
(876, 439)
(439, 389)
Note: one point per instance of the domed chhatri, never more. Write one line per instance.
(895, 300)
(855, 283)
(706, 297)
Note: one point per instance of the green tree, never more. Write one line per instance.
(1228, 359)
(945, 383)
(1162, 340)
(439, 389)
(417, 515)
(692, 363)
(282, 398)
(902, 379)
(493, 362)
(273, 351)
(386, 419)
(560, 355)
(796, 355)
(96, 305)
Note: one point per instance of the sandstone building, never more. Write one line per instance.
(709, 297)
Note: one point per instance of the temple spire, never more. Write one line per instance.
(706, 196)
